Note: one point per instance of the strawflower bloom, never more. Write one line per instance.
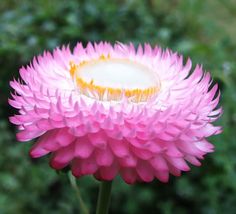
(110, 110)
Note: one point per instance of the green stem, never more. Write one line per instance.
(84, 209)
(104, 197)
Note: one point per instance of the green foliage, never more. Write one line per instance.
(204, 30)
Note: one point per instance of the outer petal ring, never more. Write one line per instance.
(138, 140)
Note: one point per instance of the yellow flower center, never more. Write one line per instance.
(108, 78)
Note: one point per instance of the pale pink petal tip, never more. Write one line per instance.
(139, 141)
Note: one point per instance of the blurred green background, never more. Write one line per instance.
(203, 30)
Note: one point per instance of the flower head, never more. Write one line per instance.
(106, 110)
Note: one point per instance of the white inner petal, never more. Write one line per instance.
(118, 73)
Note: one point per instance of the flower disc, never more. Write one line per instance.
(110, 79)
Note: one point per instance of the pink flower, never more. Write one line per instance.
(106, 110)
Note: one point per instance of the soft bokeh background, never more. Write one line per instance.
(203, 30)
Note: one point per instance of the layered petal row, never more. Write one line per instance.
(138, 141)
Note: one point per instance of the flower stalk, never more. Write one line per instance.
(84, 209)
(104, 197)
